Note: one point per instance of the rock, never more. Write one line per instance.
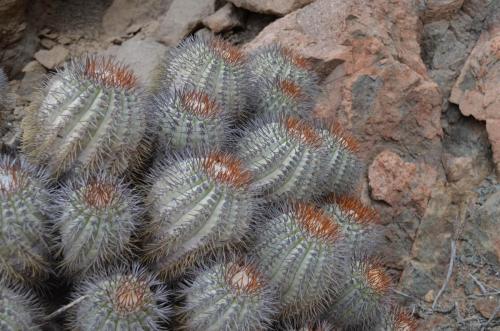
(226, 18)
(440, 9)
(398, 183)
(50, 59)
(477, 89)
(124, 13)
(429, 296)
(47, 43)
(273, 7)
(486, 306)
(182, 18)
(132, 52)
(458, 168)
(34, 73)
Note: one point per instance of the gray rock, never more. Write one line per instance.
(274, 7)
(34, 74)
(141, 55)
(226, 18)
(50, 59)
(182, 18)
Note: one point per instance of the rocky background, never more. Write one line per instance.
(417, 82)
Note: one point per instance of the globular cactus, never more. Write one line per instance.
(121, 300)
(301, 252)
(397, 319)
(343, 167)
(363, 298)
(228, 296)
(24, 206)
(17, 311)
(197, 204)
(286, 157)
(283, 96)
(97, 217)
(91, 117)
(359, 223)
(207, 64)
(190, 118)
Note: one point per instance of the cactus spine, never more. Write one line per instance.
(24, 205)
(300, 250)
(286, 158)
(190, 118)
(397, 319)
(359, 223)
(90, 118)
(97, 217)
(363, 298)
(17, 311)
(122, 300)
(211, 65)
(228, 296)
(197, 204)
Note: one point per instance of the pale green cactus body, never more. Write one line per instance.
(363, 298)
(24, 207)
(207, 64)
(97, 218)
(197, 204)
(228, 296)
(121, 301)
(90, 118)
(300, 250)
(286, 159)
(190, 119)
(17, 311)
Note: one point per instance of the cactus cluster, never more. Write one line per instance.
(243, 208)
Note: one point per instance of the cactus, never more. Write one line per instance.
(343, 166)
(228, 296)
(207, 64)
(24, 205)
(359, 223)
(197, 204)
(120, 300)
(190, 118)
(91, 118)
(363, 298)
(286, 158)
(17, 311)
(397, 319)
(283, 96)
(97, 217)
(300, 250)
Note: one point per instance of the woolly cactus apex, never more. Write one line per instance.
(24, 204)
(197, 204)
(286, 158)
(364, 297)
(398, 319)
(123, 300)
(284, 96)
(211, 65)
(343, 166)
(17, 311)
(228, 296)
(300, 250)
(90, 118)
(190, 118)
(359, 223)
(97, 217)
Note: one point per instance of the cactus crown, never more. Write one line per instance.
(374, 276)
(354, 209)
(200, 103)
(243, 278)
(226, 51)
(297, 60)
(340, 135)
(15, 175)
(400, 319)
(105, 72)
(315, 222)
(302, 131)
(226, 169)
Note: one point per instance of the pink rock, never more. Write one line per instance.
(399, 183)
(274, 7)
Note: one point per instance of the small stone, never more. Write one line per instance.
(48, 33)
(429, 296)
(50, 59)
(182, 18)
(64, 40)
(273, 7)
(486, 306)
(458, 168)
(226, 18)
(47, 43)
